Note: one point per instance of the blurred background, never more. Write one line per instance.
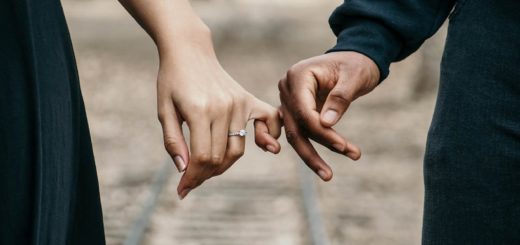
(377, 200)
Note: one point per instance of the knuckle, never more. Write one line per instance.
(170, 142)
(217, 109)
(161, 116)
(273, 115)
(218, 173)
(238, 98)
(190, 180)
(236, 153)
(309, 160)
(199, 106)
(203, 158)
(281, 85)
(300, 115)
(259, 142)
(221, 105)
(302, 66)
(337, 147)
(217, 160)
(340, 97)
(293, 72)
(225, 102)
(245, 100)
(292, 136)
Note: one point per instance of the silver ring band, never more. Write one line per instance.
(241, 133)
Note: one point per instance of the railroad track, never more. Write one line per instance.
(258, 209)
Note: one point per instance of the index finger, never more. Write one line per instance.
(304, 148)
(298, 92)
(194, 176)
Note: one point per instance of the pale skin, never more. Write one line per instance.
(193, 87)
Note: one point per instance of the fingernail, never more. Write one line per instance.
(339, 148)
(322, 174)
(354, 156)
(330, 116)
(179, 163)
(184, 193)
(270, 148)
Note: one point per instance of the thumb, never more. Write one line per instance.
(336, 104)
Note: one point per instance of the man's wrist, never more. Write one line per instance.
(366, 66)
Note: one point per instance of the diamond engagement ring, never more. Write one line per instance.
(241, 133)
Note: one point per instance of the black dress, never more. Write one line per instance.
(48, 185)
(472, 161)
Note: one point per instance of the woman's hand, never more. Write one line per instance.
(193, 87)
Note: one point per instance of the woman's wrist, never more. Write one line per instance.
(194, 39)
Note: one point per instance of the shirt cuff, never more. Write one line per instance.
(371, 39)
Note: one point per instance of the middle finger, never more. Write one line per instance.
(200, 145)
(304, 148)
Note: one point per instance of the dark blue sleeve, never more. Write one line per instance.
(387, 30)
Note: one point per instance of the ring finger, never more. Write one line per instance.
(235, 144)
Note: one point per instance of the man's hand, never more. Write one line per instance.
(315, 94)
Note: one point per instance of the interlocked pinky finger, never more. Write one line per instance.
(264, 139)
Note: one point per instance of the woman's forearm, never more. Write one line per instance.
(172, 24)
(193, 87)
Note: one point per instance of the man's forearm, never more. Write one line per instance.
(387, 31)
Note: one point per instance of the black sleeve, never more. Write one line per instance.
(387, 30)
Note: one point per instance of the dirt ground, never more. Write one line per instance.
(377, 200)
